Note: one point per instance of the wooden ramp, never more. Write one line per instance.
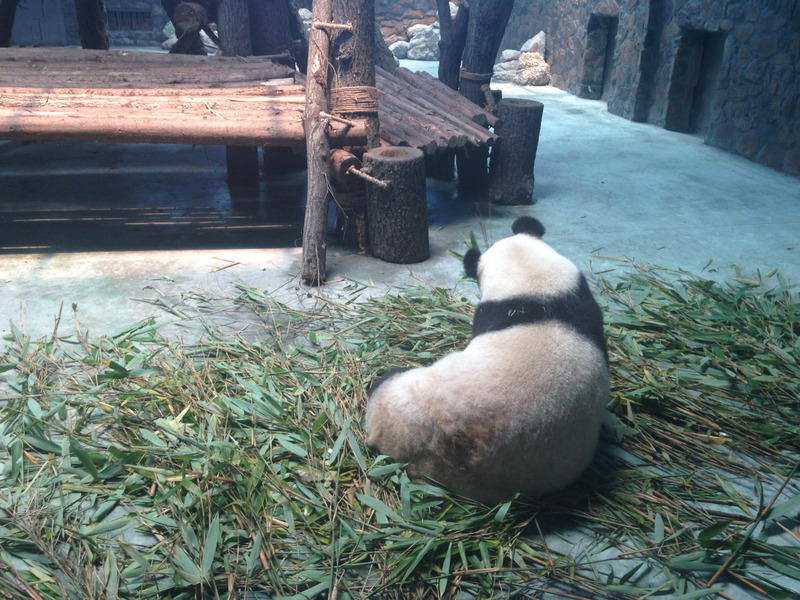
(59, 94)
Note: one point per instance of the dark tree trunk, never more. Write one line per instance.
(270, 29)
(487, 24)
(91, 16)
(514, 153)
(454, 37)
(397, 223)
(8, 10)
(383, 56)
(233, 24)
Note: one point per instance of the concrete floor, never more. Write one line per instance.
(110, 234)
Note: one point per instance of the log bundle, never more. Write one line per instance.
(58, 94)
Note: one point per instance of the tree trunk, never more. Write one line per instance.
(513, 156)
(233, 24)
(315, 227)
(354, 96)
(270, 29)
(487, 23)
(383, 56)
(91, 16)
(454, 37)
(397, 223)
(8, 10)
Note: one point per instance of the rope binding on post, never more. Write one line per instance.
(354, 99)
(479, 77)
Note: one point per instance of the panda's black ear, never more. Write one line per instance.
(529, 225)
(471, 259)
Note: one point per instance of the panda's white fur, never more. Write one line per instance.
(519, 409)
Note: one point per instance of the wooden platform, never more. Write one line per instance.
(58, 94)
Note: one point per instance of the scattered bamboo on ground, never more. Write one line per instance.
(135, 466)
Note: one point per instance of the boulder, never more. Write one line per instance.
(399, 49)
(536, 44)
(505, 71)
(424, 45)
(507, 55)
(533, 70)
(415, 29)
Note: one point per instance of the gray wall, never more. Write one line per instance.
(727, 70)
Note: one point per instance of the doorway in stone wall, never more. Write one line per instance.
(598, 57)
(694, 82)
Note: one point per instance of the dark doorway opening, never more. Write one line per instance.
(694, 82)
(598, 58)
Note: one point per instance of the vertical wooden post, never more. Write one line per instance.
(315, 227)
(233, 21)
(397, 210)
(91, 15)
(514, 154)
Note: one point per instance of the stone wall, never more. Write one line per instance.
(395, 16)
(726, 70)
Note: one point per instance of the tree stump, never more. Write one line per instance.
(397, 214)
(514, 153)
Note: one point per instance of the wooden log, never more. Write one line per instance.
(340, 162)
(278, 95)
(513, 156)
(69, 67)
(443, 96)
(397, 215)
(121, 126)
(315, 225)
(445, 113)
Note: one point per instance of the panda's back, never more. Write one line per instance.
(524, 406)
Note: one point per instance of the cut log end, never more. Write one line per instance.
(397, 214)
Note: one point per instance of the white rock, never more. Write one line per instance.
(536, 44)
(453, 10)
(399, 49)
(506, 55)
(415, 29)
(424, 45)
(505, 71)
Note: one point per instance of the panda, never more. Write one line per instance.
(519, 410)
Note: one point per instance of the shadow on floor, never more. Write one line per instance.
(71, 197)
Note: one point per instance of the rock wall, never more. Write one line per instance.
(396, 16)
(726, 70)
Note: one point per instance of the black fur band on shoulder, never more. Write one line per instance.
(529, 225)
(577, 309)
